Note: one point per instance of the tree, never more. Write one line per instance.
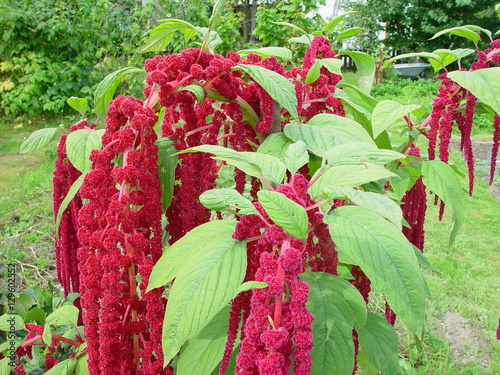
(410, 25)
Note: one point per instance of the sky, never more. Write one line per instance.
(327, 10)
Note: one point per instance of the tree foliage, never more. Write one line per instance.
(410, 25)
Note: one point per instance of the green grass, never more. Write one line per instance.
(25, 202)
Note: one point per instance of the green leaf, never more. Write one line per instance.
(251, 285)
(106, 88)
(252, 163)
(365, 364)
(290, 216)
(365, 65)
(174, 257)
(196, 90)
(296, 28)
(427, 55)
(348, 176)
(337, 307)
(81, 367)
(78, 104)
(334, 22)
(352, 106)
(4, 366)
(387, 112)
(167, 162)
(219, 7)
(462, 31)
(484, 84)
(359, 153)
(223, 199)
(380, 343)
(80, 144)
(280, 52)
(38, 139)
(66, 367)
(440, 178)
(304, 39)
(205, 283)
(317, 139)
(313, 73)
(73, 190)
(448, 56)
(349, 33)
(201, 354)
(277, 86)
(212, 37)
(345, 129)
(163, 34)
(377, 203)
(275, 145)
(385, 256)
(9, 321)
(36, 315)
(296, 156)
(332, 65)
(23, 303)
(64, 315)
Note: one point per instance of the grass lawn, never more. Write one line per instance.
(463, 313)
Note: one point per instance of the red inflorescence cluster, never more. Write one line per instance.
(277, 330)
(66, 241)
(446, 111)
(120, 236)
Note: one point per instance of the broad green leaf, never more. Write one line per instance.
(365, 364)
(314, 72)
(280, 52)
(64, 315)
(317, 139)
(365, 65)
(427, 55)
(252, 163)
(36, 315)
(290, 216)
(167, 162)
(196, 90)
(277, 86)
(349, 33)
(78, 104)
(484, 84)
(345, 129)
(348, 176)
(38, 139)
(223, 199)
(337, 307)
(296, 28)
(201, 354)
(380, 204)
(106, 88)
(462, 31)
(9, 321)
(174, 257)
(163, 34)
(443, 181)
(219, 7)
(80, 144)
(333, 65)
(375, 244)
(23, 303)
(366, 100)
(304, 39)
(4, 366)
(359, 113)
(423, 261)
(251, 285)
(387, 112)
(380, 343)
(211, 37)
(448, 56)
(275, 145)
(331, 25)
(204, 284)
(66, 367)
(81, 367)
(296, 156)
(359, 153)
(73, 190)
